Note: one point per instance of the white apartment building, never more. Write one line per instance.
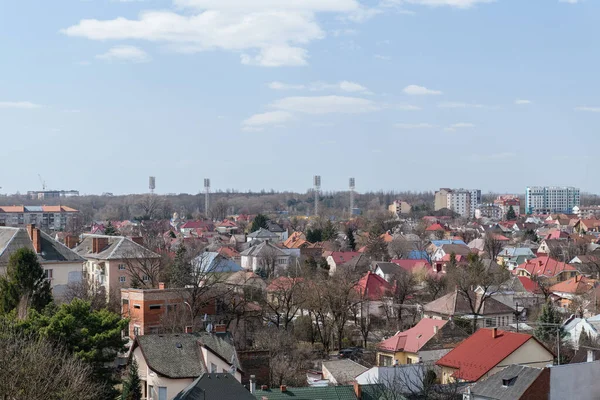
(551, 199)
(53, 218)
(461, 201)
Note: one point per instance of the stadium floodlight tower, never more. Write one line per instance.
(317, 183)
(352, 186)
(152, 184)
(206, 195)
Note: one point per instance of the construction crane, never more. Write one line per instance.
(43, 182)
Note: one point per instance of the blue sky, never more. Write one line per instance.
(401, 94)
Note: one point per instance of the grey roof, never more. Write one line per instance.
(211, 261)
(261, 249)
(510, 383)
(180, 355)
(456, 303)
(119, 248)
(274, 227)
(215, 386)
(262, 234)
(388, 268)
(12, 239)
(346, 392)
(344, 371)
(458, 249)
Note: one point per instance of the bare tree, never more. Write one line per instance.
(144, 267)
(543, 284)
(84, 291)
(492, 245)
(25, 360)
(284, 299)
(404, 286)
(267, 260)
(399, 247)
(436, 285)
(219, 210)
(150, 205)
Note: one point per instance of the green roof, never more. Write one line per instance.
(346, 392)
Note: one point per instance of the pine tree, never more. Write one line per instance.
(132, 387)
(25, 284)
(351, 239)
(110, 230)
(260, 221)
(181, 270)
(549, 320)
(510, 214)
(329, 231)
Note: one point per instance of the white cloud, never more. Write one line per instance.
(569, 1)
(589, 109)
(422, 125)
(406, 107)
(126, 54)
(344, 86)
(457, 104)
(462, 125)
(269, 33)
(450, 3)
(326, 105)
(416, 90)
(285, 86)
(521, 102)
(19, 104)
(259, 121)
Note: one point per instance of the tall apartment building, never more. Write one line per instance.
(399, 207)
(551, 199)
(461, 201)
(53, 218)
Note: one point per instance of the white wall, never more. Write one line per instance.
(63, 274)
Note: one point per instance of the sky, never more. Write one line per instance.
(263, 94)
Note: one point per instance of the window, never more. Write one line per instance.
(409, 360)
(122, 279)
(121, 267)
(155, 306)
(489, 322)
(136, 306)
(136, 330)
(162, 393)
(385, 361)
(145, 278)
(213, 368)
(48, 273)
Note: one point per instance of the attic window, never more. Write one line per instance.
(506, 382)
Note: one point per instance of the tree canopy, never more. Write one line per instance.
(260, 221)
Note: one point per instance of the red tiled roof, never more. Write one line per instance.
(373, 286)
(227, 224)
(414, 338)
(529, 285)
(342, 257)
(501, 238)
(557, 234)
(481, 352)
(410, 265)
(228, 252)
(283, 283)
(545, 266)
(578, 284)
(435, 227)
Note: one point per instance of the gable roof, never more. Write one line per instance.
(180, 356)
(345, 392)
(435, 227)
(545, 266)
(438, 243)
(575, 285)
(118, 248)
(372, 286)
(12, 239)
(262, 233)
(456, 303)
(414, 338)
(262, 249)
(221, 386)
(344, 370)
(507, 384)
(458, 249)
(341, 257)
(410, 265)
(274, 227)
(481, 352)
(211, 261)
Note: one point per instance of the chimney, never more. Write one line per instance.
(37, 240)
(435, 329)
(71, 241)
(30, 229)
(161, 285)
(283, 388)
(590, 355)
(252, 384)
(99, 244)
(220, 328)
(264, 387)
(494, 333)
(357, 390)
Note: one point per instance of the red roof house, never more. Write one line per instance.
(487, 351)
(435, 227)
(414, 338)
(547, 267)
(373, 287)
(412, 265)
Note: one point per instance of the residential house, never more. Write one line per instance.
(338, 258)
(547, 267)
(213, 262)
(297, 240)
(262, 235)
(490, 211)
(226, 226)
(511, 257)
(574, 326)
(112, 262)
(345, 392)
(573, 289)
(583, 226)
(506, 202)
(436, 244)
(488, 351)
(277, 229)
(399, 207)
(588, 265)
(398, 380)
(456, 304)
(373, 287)
(517, 292)
(447, 249)
(230, 253)
(170, 363)
(266, 255)
(61, 265)
(414, 266)
(342, 372)
(409, 347)
(515, 382)
(196, 226)
(221, 386)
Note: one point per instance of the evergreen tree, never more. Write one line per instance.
(314, 235)
(181, 270)
(510, 214)
(25, 284)
(132, 387)
(377, 248)
(110, 230)
(351, 239)
(260, 221)
(329, 231)
(549, 323)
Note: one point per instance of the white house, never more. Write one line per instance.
(169, 363)
(267, 255)
(574, 326)
(61, 265)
